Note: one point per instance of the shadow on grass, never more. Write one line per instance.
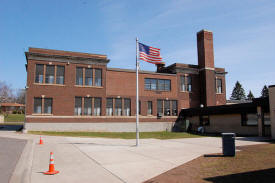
(260, 176)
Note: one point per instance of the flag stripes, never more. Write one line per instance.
(149, 54)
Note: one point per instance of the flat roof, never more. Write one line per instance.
(140, 71)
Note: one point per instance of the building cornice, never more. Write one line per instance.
(65, 58)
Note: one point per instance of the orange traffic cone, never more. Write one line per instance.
(40, 141)
(51, 166)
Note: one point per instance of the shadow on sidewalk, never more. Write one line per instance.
(11, 127)
(259, 176)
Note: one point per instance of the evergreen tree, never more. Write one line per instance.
(250, 95)
(265, 91)
(238, 92)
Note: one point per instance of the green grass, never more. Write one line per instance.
(14, 118)
(121, 135)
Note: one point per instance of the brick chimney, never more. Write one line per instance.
(206, 67)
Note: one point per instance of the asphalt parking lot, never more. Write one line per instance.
(10, 152)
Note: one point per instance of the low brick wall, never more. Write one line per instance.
(101, 127)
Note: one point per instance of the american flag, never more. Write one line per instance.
(149, 54)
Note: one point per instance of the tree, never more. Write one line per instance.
(6, 93)
(250, 95)
(20, 96)
(238, 92)
(264, 91)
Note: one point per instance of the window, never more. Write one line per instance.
(118, 107)
(49, 75)
(204, 120)
(49, 78)
(42, 109)
(249, 119)
(157, 84)
(92, 106)
(167, 85)
(266, 119)
(88, 77)
(97, 106)
(149, 108)
(98, 77)
(109, 107)
(174, 108)
(93, 77)
(164, 107)
(37, 105)
(48, 105)
(219, 86)
(60, 72)
(160, 85)
(88, 106)
(79, 76)
(160, 107)
(139, 107)
(78, 106)
(186, 83)
(39, 73)
(127, 107)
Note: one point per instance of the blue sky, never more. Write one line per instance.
(244, 34)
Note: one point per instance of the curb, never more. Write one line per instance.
(22, 171)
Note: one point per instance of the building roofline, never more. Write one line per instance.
(63, 52)
(141, 71)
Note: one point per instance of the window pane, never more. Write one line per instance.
(252, 119)
(167, 85)
(48, 105)
(160, 107)
(266, 119)
(37, 105)
(89, 77)
(189, 83)
(87, 106)
(153, 84)
(79, 76)
(109, 107)
(166, 107)
(118, 107)
(98, 77)
(127, 107)
(49, 78)
(39, 72)
(149, 108)
(219, 86)
(182, 83)
(147, 84)
(174, 108)
(78, 106)
(60, 75)
(161, 84)
(139, 107)
(97, 106)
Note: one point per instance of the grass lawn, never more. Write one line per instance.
(253, 164)
(14, 118)
(122, 135)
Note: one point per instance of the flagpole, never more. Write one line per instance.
(137, 99)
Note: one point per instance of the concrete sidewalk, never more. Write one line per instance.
(114, 160)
